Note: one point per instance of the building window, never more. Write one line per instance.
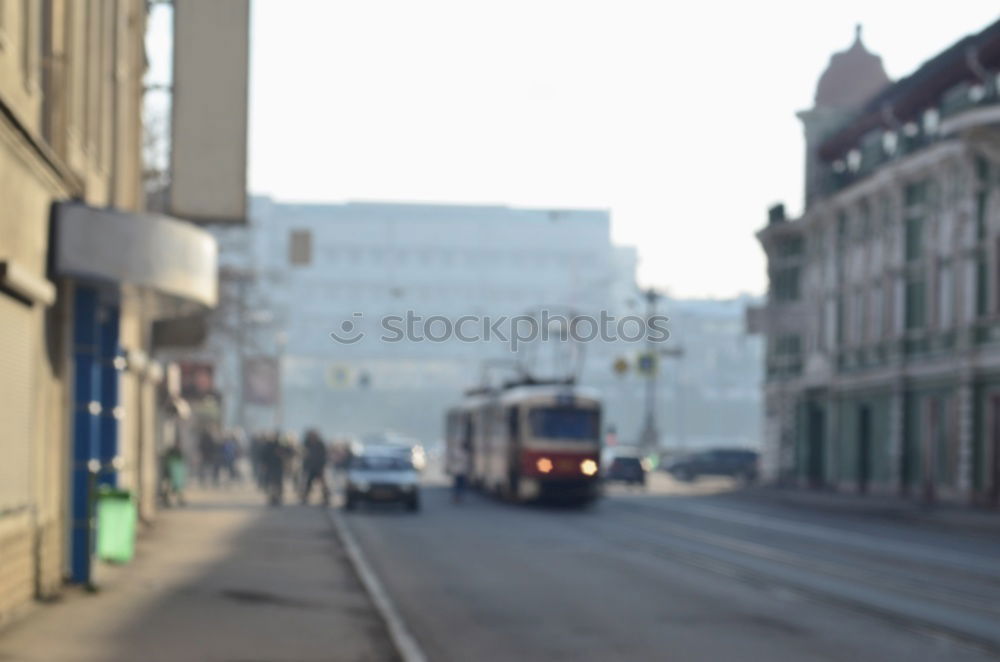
(982, 287)
(841, 321)
(843, 228)
(982, 196)
(916, 194)
(885, 211)
(914, 239)
(890, 142)
(829, 324)
(789, 344)
(854, 160)
(858, 318)
(786, 355)
(865, 216)
(931, 120)
(786, 284)
(876, 313)
(916, 304)
(30, 42)
(300, 247)
(945, 297)
(789, 247)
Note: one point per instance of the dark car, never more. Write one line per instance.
(738, 463)
(626, 469)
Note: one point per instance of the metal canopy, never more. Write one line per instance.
(162, 253)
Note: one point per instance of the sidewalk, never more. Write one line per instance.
(224, 579)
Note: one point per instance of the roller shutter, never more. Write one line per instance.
(16, 400)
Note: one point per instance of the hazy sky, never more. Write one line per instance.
(678, 117)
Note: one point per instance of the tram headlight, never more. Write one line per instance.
(588, 467)
(544, 465)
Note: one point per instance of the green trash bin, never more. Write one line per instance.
(177, 473)
(116, 518)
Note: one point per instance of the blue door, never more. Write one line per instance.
(96, 363)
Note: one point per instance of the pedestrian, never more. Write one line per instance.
(229, 455)
(208, 452)
(458, 467)
(290, 456)
(314, 460)
(173, 475)
(272, 458)
(257, 442)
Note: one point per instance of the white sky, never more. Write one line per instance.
(678, 117)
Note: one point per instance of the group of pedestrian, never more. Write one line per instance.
(217, 463)
(219, 455)
(277, 459)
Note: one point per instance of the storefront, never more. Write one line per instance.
(122, 271)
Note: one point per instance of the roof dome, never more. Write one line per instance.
(852, 77)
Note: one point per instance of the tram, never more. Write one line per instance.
(529, 440)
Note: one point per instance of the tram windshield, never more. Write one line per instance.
(564, 423)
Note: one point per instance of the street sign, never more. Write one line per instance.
(338, 376)
(647, 364)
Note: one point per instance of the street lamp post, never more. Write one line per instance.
(650, 436)
(649, 439)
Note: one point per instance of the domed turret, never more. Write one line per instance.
(852, 77)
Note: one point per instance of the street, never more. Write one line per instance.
(673, 576)
(702, 571)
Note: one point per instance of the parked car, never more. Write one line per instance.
(735, 462)
(377, 476)
(626, 469)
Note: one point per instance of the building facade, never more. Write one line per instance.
(881, 323)
(81, 282)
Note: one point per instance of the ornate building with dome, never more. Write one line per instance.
(882, 320)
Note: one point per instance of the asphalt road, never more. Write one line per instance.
(696, 576)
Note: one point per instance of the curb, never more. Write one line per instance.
(406, 645)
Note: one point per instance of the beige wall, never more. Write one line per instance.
(70, 126)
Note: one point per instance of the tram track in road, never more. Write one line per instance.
(901, 571)
(945, 559)
(913, 603)
(913, 586)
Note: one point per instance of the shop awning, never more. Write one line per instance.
(165, 254)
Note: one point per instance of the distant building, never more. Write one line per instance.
(882, 359)
(299, 271)
(711, 394)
